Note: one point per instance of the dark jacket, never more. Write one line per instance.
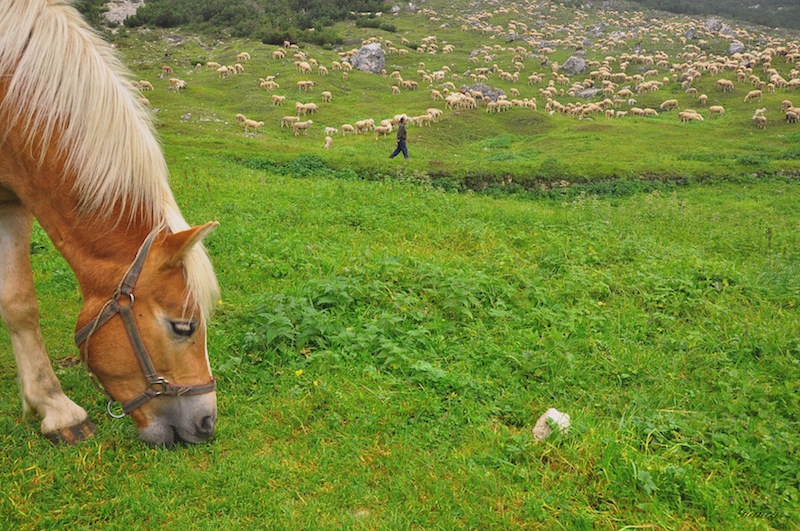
(401, 132)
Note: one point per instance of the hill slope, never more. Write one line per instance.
(604, 120)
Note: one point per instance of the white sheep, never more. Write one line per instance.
(287, 121)
(240, 118)
(330, 131)
(753, 95)
(251, 124)
(277, 100)
(328, 142)
(716, 110)
(327, 97)
(348, 128)
(301, 126)
(176, 84)
(760, 120)
(243, 56)
(669, 105)
(382, 130)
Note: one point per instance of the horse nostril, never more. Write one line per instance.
(207, 425)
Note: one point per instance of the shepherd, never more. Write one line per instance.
(401, 139)
(78, 153)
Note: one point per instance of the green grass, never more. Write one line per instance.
(384, 350)
(384, 346)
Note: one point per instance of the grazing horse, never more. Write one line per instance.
(78, 153)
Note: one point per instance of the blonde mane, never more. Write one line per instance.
(65, 79)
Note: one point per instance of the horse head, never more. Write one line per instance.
(147, 344)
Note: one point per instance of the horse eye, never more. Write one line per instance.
(183, 328)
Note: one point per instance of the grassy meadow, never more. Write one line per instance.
(387, 336)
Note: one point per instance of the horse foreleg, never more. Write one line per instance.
(62, 419)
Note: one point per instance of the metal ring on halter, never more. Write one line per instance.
(118, 294)
(111, 413)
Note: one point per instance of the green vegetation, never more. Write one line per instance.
(387, 337)
(772, 13)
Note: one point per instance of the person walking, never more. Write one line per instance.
(401, 139)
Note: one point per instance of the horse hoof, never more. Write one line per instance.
(73, 434)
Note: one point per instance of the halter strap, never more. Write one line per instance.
(156, 385)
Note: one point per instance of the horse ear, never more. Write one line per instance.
(175, 246)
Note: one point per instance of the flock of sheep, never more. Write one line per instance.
(611, 85)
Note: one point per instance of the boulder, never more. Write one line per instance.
(588, 93)
(486, 90)
(735, 47)
(574, 66)
(370, 58)
(713, 24)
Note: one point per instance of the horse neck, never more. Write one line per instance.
(98, 247)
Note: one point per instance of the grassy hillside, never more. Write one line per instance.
(520, 147)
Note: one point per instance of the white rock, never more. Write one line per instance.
(542, 429)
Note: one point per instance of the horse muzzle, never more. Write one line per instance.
(189, 419)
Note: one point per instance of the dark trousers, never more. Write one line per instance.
(401, 147)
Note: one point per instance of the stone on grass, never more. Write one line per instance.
(542, 429)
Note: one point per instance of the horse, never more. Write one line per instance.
(79, 154)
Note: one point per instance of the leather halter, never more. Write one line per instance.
(156, 385)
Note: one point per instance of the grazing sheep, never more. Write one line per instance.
(382, 130)
(434, 112)
(328, 142)
(395, 90)
(344, 76)
(241, 118)
(287, 121)
(753, 95)
(327, 97)
(702, 99)
(146, 85)
(176, 84)
(760, 120)
(212, 65)
(243, 56)
(669, 105)
(725, 85)
(301, 126)
(689, 115)
(330, 131)
(322, 70)
(362, 126)
(716, 110)
(792, 117)
(166, 70)
(268, 84)
(278, 54)
(277, 100)
(760, 112)
(347, 128)
(223, 71)
(251, 124)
